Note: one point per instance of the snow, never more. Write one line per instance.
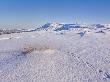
(64, 26)
(51, 56)
(3, 38)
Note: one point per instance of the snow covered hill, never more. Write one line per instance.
(59, 26)
(64, 55)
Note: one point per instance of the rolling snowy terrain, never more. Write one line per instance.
(56, 53)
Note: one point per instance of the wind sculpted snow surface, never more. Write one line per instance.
(55, 57)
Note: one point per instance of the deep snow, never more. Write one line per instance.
(49, 56)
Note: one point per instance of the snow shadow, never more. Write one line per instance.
(11, 58)
(82, 34)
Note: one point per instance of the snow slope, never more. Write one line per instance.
(49, 56)
(65, 26)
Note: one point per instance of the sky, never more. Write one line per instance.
(63, 11)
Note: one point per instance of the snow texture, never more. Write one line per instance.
(50, 56)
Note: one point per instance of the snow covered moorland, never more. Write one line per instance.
(56, 53)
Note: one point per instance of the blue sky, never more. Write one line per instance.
(43, 11)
